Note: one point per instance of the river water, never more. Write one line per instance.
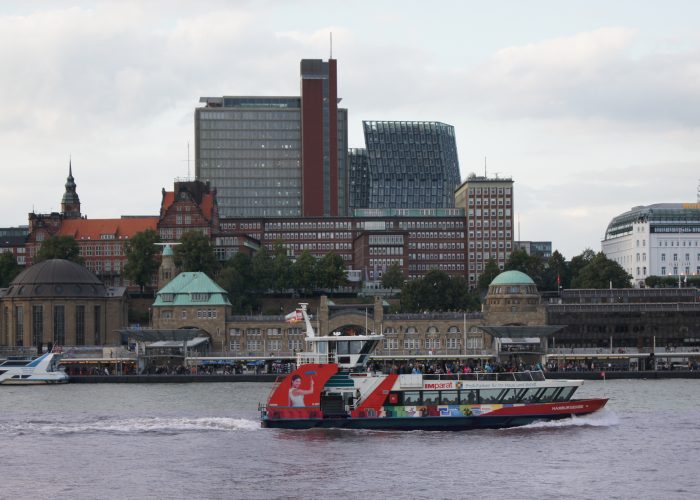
(191, 441)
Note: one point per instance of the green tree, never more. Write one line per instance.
(304, 274)
(142, 257)
(196, 254)
(556, 273)
(262, 271)
(531, 265)
(236, 278)
(59, 247)
(436, 291)
(601, 272)
(393, 277)
(577, 263)
(9, 268)
(331, 271)
(281, 268)
(491, 270)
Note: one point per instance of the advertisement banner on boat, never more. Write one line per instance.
(439, 385)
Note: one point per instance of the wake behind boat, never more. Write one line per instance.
(331, 388)
(42, 370)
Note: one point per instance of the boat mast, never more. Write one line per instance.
(309, 328)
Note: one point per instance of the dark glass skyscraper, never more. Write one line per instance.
(411, 164)
(359, 178)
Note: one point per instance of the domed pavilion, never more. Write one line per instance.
(516, 318)
(62, 303)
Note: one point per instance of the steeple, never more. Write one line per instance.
(70, 203)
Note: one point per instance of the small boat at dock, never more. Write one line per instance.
(42, 370)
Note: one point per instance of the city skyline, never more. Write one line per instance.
(591, 111)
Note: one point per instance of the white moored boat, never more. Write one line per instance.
(42, 370)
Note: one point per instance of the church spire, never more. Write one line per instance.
(70, 204)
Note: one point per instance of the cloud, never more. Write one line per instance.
(590, 75)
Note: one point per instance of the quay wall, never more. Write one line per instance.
(271, 377)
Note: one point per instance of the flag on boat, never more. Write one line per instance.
(294, 316)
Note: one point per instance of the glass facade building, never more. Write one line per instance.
(277, 156)
(250, 150)
(411, 164)
(359, 178)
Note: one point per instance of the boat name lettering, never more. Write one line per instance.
(570, 407)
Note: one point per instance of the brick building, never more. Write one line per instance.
(62, 303)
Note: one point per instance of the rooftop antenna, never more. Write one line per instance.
(331, 57)
(485, 175)
(698, 195)
(519, 228)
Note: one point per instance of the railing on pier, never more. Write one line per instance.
(526, 376)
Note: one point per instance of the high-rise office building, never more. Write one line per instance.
(276, 156)
(488, 203)
(411, 164)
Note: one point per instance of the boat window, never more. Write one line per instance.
(449, 397)
(509, 396)
(355, 346)
(411, 398)
(530, 395)
(489, 395)
(469, 397)
(430, 397)
(565, 394)
(342, 348)
(368, 346)
(548, 395)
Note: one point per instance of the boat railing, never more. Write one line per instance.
(525, 376)
(307, 358)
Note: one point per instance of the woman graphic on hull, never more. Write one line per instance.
(296, 393)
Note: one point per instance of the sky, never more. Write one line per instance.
(591, 107)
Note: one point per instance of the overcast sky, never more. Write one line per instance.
(592, 107)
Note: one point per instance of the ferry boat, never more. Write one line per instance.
(331, 388)
(42, 370)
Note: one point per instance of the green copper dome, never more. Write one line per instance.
(512, 278)
(167, 251)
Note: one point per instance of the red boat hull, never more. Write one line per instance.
(507, 416)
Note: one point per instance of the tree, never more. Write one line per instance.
(331, 271)
(281, 268)
(601, 272)
(59, 247)
(142, 257)
(9, 268)
(556, 273)
(531, 265)
(436, 291)
(491, 270)
(262, 271)
(304, 274)
(579, 262)
(393, 277)
(236, 278)
(196, 254)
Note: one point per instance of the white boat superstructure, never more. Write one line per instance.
(42, 370)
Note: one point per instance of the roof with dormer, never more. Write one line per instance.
(191, 289)
(98, 229)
